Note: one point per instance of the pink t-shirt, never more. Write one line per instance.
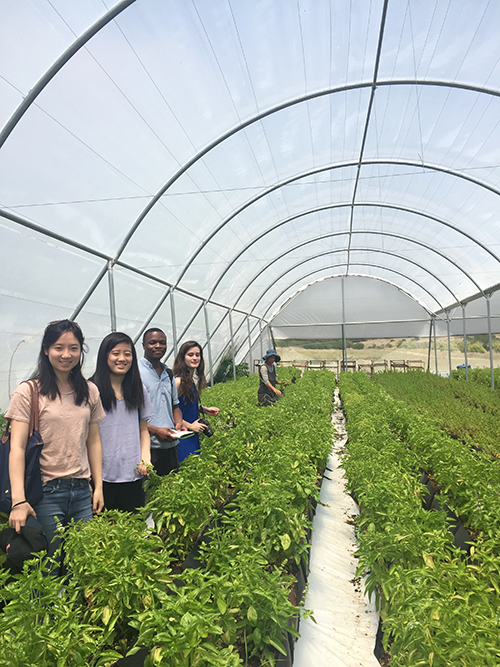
(64, 428)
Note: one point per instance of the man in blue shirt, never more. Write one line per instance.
(162, 391)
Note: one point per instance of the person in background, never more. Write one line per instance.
(189, 371)
(70, 409)
(267, 393)
(124, 430)
(159, 382)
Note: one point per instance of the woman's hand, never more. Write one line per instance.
(97, 500)
(211, 411)
(196, 427)
(18, 516)
(142, 469)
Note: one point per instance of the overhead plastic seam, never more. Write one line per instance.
(228, 90)
(58, 65)
(333, 234)
(367, 123)
(252, 87)
(304, 72)
(385, 268)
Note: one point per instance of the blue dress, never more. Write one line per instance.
(190, 445)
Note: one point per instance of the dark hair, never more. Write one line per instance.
(133, 393)
(151, 331)
(184, 373)
(45, 373)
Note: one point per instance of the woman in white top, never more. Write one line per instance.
(124, 431)
(70, 409)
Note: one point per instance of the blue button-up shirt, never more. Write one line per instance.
(163, 395)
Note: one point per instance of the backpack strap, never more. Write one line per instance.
(35, 406)
(170, 373)
(34, 411)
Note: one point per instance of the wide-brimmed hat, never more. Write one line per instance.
(271, 353)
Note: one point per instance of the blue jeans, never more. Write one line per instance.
(65, 499)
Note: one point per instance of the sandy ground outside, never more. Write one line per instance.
(389, 351)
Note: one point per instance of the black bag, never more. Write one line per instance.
(32, 475)
(21, 546)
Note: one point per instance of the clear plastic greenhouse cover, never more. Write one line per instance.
(232, 167)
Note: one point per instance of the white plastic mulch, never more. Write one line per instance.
(346, 621)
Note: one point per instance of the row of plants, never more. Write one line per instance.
(466, 410)
(468, 478)
(438, 608)
(478, 375)
(242, 505)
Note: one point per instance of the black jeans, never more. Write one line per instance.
(164, 460)
(125, 496)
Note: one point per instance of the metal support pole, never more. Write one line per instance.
(488, 312)
(344, 348)
(449, 344)
(209, 345)
(435, 346)
(249, 345)
(260, 337)
(224, 349)
(153, 313)
(232, 344)
(112, 302)
(429, 348)
(465, 344)
(186, 327)
(242, 344)
(11, 360)
(89, 293)
(174, 326)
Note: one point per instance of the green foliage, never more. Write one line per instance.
(121, 568)
(224, 370)
(478, 375)
(437, 608)
(466, 410)
(44, 624)
(246, 496)
(478, 343)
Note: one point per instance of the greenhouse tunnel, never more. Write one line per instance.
(243, 171)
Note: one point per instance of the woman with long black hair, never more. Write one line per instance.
(69, 412)
(124, 430)
(188, 367)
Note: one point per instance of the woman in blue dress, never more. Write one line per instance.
(189, 371)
